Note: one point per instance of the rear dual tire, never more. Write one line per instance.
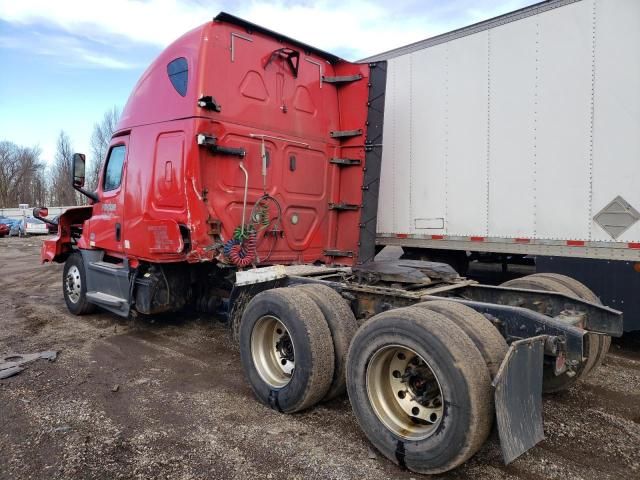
(419, 386)
(286, 349)
(294, 344)
(342, 325)
(427, 434)
(487, 339)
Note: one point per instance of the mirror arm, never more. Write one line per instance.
(46, 220)
(86, 193)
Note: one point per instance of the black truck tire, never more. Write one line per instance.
(286, 349)
(342, 324)
(585, 293)
(478, 328)
(74, 286)
(552, 383)
(440, 360)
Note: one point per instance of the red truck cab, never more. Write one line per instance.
(223, 99)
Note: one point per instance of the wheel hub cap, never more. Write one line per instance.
(73, 284)
(404, 392)
(272, 351)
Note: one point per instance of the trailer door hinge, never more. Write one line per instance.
(343, 206)
(338, 253)
(342, 78)
(345, 133)
(210, 142)
(209, 103)
(346, 162)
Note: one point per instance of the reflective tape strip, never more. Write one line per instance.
(575, 243)
(517, 240)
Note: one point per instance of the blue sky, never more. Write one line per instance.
(65, 62)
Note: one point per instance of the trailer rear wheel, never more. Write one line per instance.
(585, 293)
(74, 286)
(478, 328)
(592, 345)
(420, 389)
(286, 349)
(342, 325)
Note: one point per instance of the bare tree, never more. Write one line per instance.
(21, 175)
(100, 138)
(61, 191)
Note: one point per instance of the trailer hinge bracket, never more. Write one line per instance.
(345, 162)
(342, 78)
(338, 253)
(210, 142)
(343, 206)
(345, 133)
(214, 226)
(209, 103)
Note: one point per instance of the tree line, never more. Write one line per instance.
(26, 178)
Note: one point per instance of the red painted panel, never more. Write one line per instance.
(101, 230)
(168, 185)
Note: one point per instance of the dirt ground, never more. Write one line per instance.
(166, 398)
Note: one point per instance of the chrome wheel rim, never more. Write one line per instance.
(73, 284)
(272, 351)
(404, 392)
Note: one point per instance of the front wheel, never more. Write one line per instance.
(420, 389)
(74, 286)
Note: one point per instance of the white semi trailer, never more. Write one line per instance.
(521, 135)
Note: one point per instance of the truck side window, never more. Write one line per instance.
(113, 168)
(178, 72)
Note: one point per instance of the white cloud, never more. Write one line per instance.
(155, 22)
(104, 61)
(356, 26)
(69, 50)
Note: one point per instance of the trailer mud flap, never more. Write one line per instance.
(518, 397)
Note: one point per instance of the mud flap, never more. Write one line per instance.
(518, 397)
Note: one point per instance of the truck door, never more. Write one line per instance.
(107, 225)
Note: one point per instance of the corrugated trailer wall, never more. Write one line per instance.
(523, 130)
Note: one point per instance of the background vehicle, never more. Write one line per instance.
(4, 230)
(15, 225)
(525, 142)
(275, 164)
(34, 226)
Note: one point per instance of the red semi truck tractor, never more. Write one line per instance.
(243, 179)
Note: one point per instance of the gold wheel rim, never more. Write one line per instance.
(272, 351)
(404, 392)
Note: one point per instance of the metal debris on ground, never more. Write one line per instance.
(12, 364)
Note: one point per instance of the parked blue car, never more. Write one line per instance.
(16, 226)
